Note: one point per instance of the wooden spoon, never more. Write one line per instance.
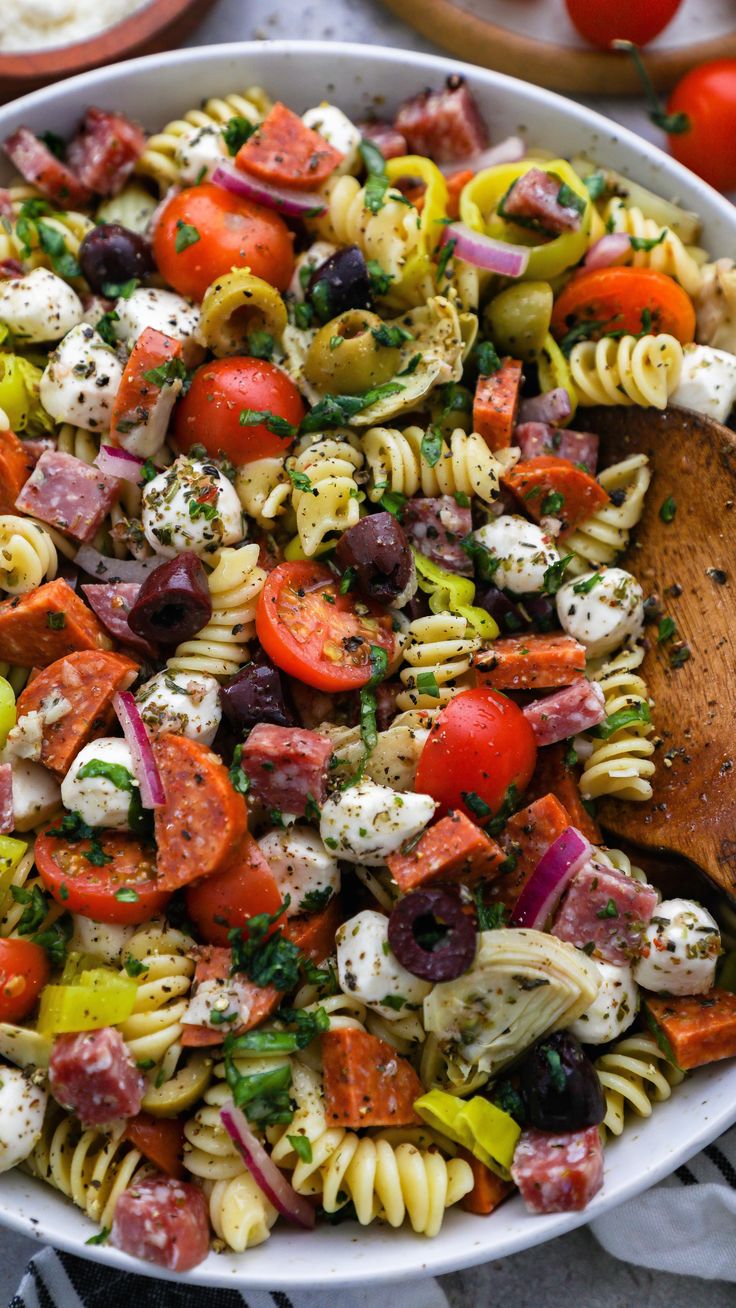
(690, 564)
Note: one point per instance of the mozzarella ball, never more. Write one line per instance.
(102, 799)
(101, 939)
(314, 257)
(366, 823)
(607, 615)
(679, 949)
(301, 866)
(707, 382)
(198, 153)
(182, 703)
(39, 307)
(22, 1108)
(525, 551)
(191, 506)
(337, 129)
(368, 969)
(613, 1009)
(36, 793)
(81, 380)
(167, 312)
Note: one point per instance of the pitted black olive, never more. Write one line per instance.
(111, 255)
(173, 603)
(340, 283)
(560, 1085)
(256, 694)
(378, 551)
(431, 936)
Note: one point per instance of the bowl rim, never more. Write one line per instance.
(76, 57)
(315, 1272)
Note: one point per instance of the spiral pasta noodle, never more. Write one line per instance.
(325, 493)
(668, 255)
(642, 371)
(465, 465)
(240, 1214)
(27, 555)
(159, 159)
(439, 652)
(264, 490)
(622, 764)
(92, 1167)
(71, 226)
(25, 877)
(394, 1182)
(221, 647)
(604, 536)
(389, 236)
(635, 1074)
(152, 1031)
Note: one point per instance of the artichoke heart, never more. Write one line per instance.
(432, 357)
(522, 985)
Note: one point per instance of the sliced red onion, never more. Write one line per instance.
(552, 407)
(612, 248)
(103, 568)
(557, 866)
(509, 151)
(485, 252)
(144, 764)
(119, 463)
(264, 1171)
(295, 204)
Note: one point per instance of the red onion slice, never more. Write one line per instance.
(119, 463)
(144, 764)
(485, 252)
(557, 866)
(509, 151)
(612, 248)
(264, 1171)
(295, 204)
(552, 407)
(103, 568)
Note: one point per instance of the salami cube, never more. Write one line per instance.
(73, 698)
(525, 838)
(606, 911)
(69, 494)
(287, 766)
(104, 151)
(454, 849)
(366, 1083)
(446, 125)
(93, 1074)
(46, 624)
(39, 166)
(538, 438)
(7, 820)
(535, 199)
(496, 404)
(436, 527)
(385, 136)
(558, 1173)
(551, 408)
(163, 1221)
(112, 603)
(575, 708)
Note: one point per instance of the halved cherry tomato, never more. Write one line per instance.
(479, 747)
(625, 299)
(708, 96)
(160, 1140)
(245, 887)
(316, 634)
(203, 232)
(122, 891)
(24, 971)
(604, 21)
(209, 414)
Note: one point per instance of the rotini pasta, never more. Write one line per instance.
(603, 537)
(152, 1031)
(394, 1182)
(390, 235)
(25, 243)
(222, 646)
(439, 652)
(27, 555)
(325, 492)
(264, 490)
(241, 1215)
(626, 371)
(92, 1168)
(622, 765)
(159, 159)
(635, 1075)
(397, 462)
(666, 255)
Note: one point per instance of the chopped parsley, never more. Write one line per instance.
(261, 345)
(56, 621)
(166, 373)
(595, 185)
(120, 777)
(485, 356)
(553, 502)
(397, 1002)
(380, 280)
(316, 900)
(271, 421)
(186, 235)
(236, 132)
(668, 509)
(490, 916)
(100, 1238)
(486, 564)
(377, 182)
(337, 410)
(134, 967)
(569, 199)
(508, 806)
(680, 655)
(393, 502)
(432, 446)
(427, 685)
(263, 1096)
(648, 242)
(268, 960)
(301, 1146)
(586, 584)
(555, 575)
(239, 780)
(666, 631)
(608, 910)
(476, 805)
(303, 316)
(120, 290)
(53, 244)
(36, 907)
(347, 579)
(446, 253)
(106, 330)
(390, 336)
(148, 471)
(126, 895)
(623, 717)
(299, 480)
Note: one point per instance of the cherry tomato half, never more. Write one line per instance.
(617, 298)
(604, 21)
(121, 891)
(24, 971)
(708, 96)
(316, 634)
(204, 232)
(229, 898)
(479, 746)
(209, 414)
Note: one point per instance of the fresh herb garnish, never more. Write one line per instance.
(393, 502)
(56, 621)
(555, 575)
(100, 1238)
(608, 910)
(476, 805)
(553, 502)
(271, 421)
(316, 900)
(446, 253)
(432, 446)
(118, 776)
(595, 185)
(186, 235)
(391, 336)
(347, 579)
(263, 1096)
(126, 895)
(166, 373)
(490, 916)
(120, 290)
(269, 960)
(586, 584)
(666, 630)
(134, 967)
(380, 280)
(427, 684)
(622, 718)
(485, 356)
(337, 410)
(236, 132)
(377, 182)
(648, 242)
(261, 345)
(238, 778)
(668, 509)
(486, 564)
(299, 480)
(301, 1146)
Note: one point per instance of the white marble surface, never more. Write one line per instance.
(574, 1269)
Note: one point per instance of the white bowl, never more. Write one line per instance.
(156, 90)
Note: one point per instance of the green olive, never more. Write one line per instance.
(183, 1090)
(347, 356)
(451, 406)
(518, 319)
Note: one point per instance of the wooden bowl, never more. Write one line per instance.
(158, 25)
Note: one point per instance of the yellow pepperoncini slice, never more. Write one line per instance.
(11, 852)
(19, 399)
(446, 589)
(419, 267)
(7, 709)
(480, 620)
(100, 997)
(553, 371)
(488, 1132)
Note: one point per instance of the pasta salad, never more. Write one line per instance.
(319, 645)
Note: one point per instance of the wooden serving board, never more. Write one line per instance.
(535, 40)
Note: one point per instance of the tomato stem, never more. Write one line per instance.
(675, 124)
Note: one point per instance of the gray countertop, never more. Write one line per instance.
(574, 1268)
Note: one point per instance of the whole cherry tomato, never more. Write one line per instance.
(708, 96)
(604, 21)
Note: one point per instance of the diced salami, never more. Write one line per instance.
(10, 268)
(7, 821)
(534, 197)
(607, 910)
(73, 698)
(535, 438)
(204, 818)
(93, 1074)
(366, 1082)
(391, 143)
(34, 448)
(446, 125)
(46, 624)
(6, 203)
(104, 151)
(558, 1173)
(555, 774)
(575, 708)
(436, 527)
(163, 1221)
(287, 766)
(42, 169)
(69, 494)
(454, 849)
(112, 604)
(551, 407)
